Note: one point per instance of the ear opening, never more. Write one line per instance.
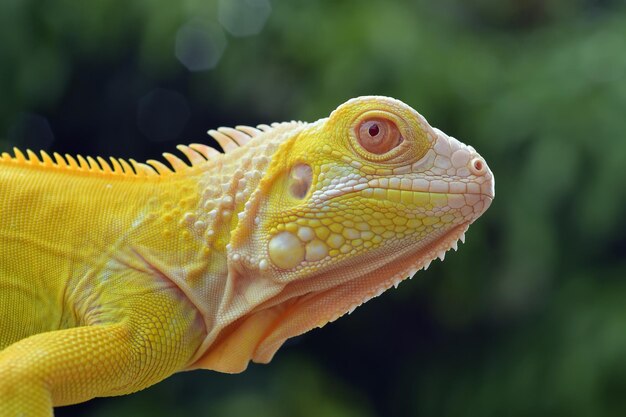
(301, 178)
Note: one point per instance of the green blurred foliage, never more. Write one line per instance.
(528, 319)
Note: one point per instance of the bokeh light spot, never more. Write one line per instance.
(200, 45)
(244, 17)
(31, 131)
(162, 114)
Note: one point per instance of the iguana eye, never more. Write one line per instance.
(378, 136)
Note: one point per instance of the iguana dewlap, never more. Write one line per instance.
(114, 275)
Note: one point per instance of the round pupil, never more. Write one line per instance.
(374, 129)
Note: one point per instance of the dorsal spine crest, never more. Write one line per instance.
(197, 154)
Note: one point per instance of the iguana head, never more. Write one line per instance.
(349, 206)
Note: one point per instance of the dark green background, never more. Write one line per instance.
(528, 319)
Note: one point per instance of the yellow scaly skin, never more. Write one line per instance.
(112, 278)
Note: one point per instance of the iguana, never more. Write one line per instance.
(115, 274)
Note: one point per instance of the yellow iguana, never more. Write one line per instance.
(114, 275)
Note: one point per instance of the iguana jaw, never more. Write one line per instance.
(315, 309)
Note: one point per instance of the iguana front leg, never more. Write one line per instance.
(151, 335)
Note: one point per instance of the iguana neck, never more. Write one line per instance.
(225, 191)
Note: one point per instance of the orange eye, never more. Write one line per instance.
(378, 136)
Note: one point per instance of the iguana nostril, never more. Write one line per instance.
(301, 176)
(477, 166)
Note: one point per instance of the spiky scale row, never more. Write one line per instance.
(228, 138)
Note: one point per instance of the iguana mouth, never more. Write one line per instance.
(419, 191)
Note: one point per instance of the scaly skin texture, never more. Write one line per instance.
(113, 276)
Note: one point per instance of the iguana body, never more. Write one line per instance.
(114, 277)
